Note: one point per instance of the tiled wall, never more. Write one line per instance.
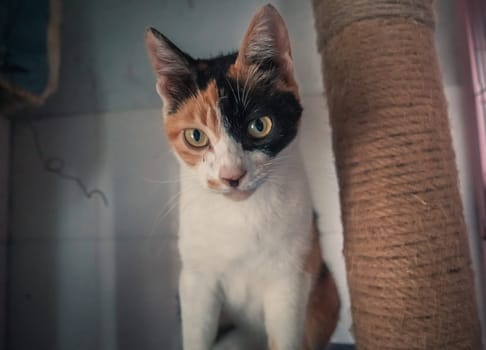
(89, 276)
(104, 65)
(85, 275)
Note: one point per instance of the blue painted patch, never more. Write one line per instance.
(23, 44)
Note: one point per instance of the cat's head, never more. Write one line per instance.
(229, 118)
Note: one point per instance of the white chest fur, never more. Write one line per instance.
(216, 233)
(248, 245)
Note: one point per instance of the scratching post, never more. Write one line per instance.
(406, 250)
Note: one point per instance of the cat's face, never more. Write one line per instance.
(230, 118)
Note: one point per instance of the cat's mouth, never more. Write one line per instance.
(234, 193)
(239, 195)
(242, 191)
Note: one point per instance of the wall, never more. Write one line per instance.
(4, 168)
(85, 275)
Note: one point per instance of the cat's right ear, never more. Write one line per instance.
(173, 69)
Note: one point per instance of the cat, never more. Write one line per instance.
(252, 273)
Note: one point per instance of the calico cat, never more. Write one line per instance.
(251, 260)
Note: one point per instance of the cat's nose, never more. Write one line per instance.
(231, 176)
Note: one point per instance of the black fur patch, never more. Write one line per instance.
(239, 108)
(240, 105)
(217, 67)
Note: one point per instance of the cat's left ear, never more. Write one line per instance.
(267, 44)
(173, 68)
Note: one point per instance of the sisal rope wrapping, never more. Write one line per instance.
(408, 265)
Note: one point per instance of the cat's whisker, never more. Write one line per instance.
(198, 101)
(158, 182)
(276, 161)
(170, 205)
(251, 73)
(203, 105)
(248, 96)
(156, 221)
(231, 87)
(222, 98)
(177, 204)
(279, 159)
(245, 91)
(247, 102)
(174, 204)
(165, 182)
(179, 179)
(283, 160)
(238, 87)
(184, 205)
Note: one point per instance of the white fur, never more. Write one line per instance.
(245, 256)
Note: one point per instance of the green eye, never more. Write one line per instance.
(196, 138)
(261, 127)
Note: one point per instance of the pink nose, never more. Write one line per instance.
(231, 176)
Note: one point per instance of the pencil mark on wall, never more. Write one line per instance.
(56, 165)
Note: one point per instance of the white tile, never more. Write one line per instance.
(94, 294)
(317, 152)
(124, 155)
(318, 155)
(53, 302)
(146, 288)
(44, 205)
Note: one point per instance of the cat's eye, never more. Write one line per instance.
(196, 138)
(260, 127)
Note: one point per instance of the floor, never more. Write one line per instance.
(340, 347)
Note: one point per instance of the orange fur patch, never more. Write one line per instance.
(201, 112)
(213, 184)
(323, 306)
(313, 260)
(322, 311)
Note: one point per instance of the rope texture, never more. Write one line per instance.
(408, 265)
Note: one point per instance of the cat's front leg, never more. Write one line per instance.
(285, 306)
(200, 309)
